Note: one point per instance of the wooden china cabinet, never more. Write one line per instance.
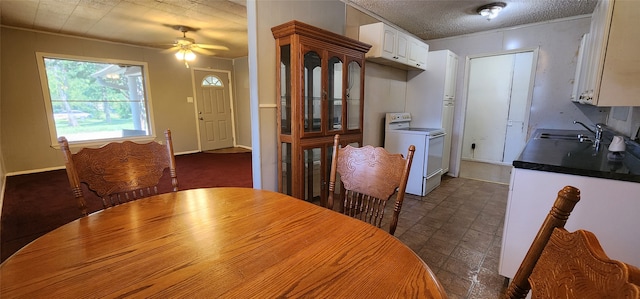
(320, 86)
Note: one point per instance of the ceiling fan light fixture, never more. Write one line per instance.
(491, 10)
(185, 55)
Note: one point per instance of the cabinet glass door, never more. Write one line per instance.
(317, 168)
(286, 168)
(285, 90)
(334, 88)
(353, 92)
(313, 169)
(312, 92)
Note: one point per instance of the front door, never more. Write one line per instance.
(214, 109)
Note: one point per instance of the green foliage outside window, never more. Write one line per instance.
(95, 100)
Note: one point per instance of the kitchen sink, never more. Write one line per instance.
(556, 136)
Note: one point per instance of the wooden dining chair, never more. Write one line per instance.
(119, 172)
(369, 176)
(560, 264)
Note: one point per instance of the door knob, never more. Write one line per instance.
(200, 118)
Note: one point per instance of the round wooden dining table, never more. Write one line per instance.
(217, 243)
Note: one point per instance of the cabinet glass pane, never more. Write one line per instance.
(312, 174)
(285, 89)
(335, 94)
(312, 92)
(353, 95)
(286, 168)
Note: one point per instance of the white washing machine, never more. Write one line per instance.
(426, 168)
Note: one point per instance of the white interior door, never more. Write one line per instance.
(498, 104)
(487, 107)
(516, 137)
(214, 109)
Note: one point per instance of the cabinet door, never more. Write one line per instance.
(620, 76)
(402, 47)
(600, 22)
(354, 94)
(581, 70)
(316, 168)
(312, 91)
(389, 38)
(418, 52)
(450, 80)
(335, 94)
(447, 125)
(285, 171)
(284, 90)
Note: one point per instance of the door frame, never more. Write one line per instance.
(465, 90)
(194, 85)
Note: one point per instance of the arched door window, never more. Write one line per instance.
(212, 81)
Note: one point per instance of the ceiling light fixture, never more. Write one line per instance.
(185, 55)
(491, 10)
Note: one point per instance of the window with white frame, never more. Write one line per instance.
(92, 100)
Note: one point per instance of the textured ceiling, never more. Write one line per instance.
(431, 19)
(223, 22)
(139, 22)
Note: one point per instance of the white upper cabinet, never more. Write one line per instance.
(417, 53)
(450, 80)
(608, 72)
(392, 47)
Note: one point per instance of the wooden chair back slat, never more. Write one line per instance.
(577, 261)
(119, 172)
(369, 177)
(560, 264)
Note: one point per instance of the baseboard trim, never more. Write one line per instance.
(31, 171)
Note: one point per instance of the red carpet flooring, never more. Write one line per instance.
(35, 204)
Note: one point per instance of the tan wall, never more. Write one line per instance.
(241, 100)
(25, 140)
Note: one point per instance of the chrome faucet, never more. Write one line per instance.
(597, 133)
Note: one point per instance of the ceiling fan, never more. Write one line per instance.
(184, 47)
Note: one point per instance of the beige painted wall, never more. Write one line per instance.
(329, 15)
(242, 109)
(25, 140)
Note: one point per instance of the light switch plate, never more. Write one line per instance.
(189, 99)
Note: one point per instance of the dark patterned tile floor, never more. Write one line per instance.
(457, 230)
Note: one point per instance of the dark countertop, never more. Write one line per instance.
(579, 158)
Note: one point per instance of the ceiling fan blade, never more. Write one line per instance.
(171, 50)
(213, 47)
(202, 51)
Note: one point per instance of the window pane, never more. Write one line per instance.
(335, 94)
(313, 87)
(211, 81)
(285, 90)
(96, 100)
(353, 96)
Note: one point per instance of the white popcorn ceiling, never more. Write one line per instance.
(431, 19)
(223, 22)
(139, 22)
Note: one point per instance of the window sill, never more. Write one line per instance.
(102, 142)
